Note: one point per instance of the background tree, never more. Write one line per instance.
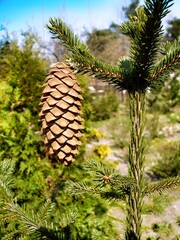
(22, 72)
(166, 97)
(52, 49)
(103, 42)
(131, 8)
(173, 31)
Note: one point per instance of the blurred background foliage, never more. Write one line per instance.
(23, 68)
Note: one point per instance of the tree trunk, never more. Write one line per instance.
(136, 170)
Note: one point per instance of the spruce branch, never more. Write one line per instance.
(169, 61)
(61, 31)
(81, 59)
(78, 188)
(162, 186)
(68, 218)
(40, 228)
(37, 225)
(96, 68)
(104, 175)
(145, 30)
(116, 194)
(110, 184)
(32, 225)
(44, 212)
(109, 193)
(6, 179)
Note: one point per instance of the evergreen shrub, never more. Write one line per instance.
(169, 163)
(104, 105)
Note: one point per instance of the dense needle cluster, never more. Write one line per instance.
(60, 113)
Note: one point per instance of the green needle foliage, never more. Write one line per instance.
(135, 74)
(169, 62)
(37, 225)
(23, 223)
(109, 183)
(6, 181)
(163, 186)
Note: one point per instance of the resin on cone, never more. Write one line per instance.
(61, 113)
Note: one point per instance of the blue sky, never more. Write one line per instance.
(17, 15)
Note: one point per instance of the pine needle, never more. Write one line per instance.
(166, 185)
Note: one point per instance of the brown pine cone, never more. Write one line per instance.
(60, 113)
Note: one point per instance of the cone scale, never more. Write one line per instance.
(61, 113)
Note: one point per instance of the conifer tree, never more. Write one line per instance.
(136, 74)
(140, 71)
(131, 8)
(173, 30)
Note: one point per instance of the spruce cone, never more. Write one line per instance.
(60, 113)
